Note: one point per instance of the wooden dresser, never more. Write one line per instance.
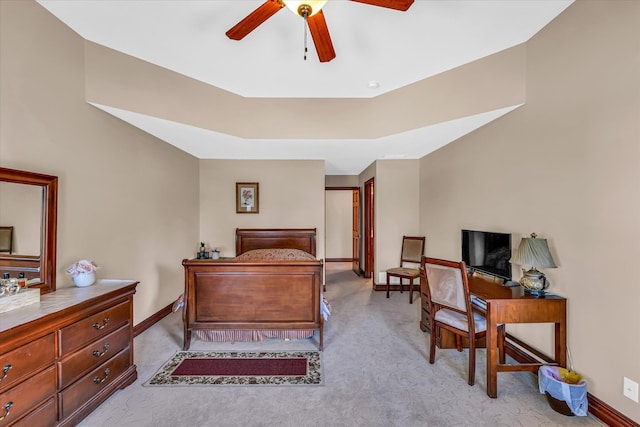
(62, 357)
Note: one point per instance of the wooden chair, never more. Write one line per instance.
(451, 308)
(412, 251)
(6, 239)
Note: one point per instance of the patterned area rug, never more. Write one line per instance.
(239, 368)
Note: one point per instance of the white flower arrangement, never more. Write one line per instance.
(82, 267)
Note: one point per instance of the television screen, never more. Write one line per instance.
(487, 252)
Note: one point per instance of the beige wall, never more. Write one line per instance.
(339, 223)
(291, 196)
(341, 180)
(567, 166)
(396, 209)
(119, 80)
(127, 201)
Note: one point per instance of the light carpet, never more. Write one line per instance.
(376, 373)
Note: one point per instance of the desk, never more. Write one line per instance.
(512, 305)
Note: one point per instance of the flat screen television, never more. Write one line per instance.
(487, 252)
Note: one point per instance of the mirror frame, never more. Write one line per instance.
(49, 184)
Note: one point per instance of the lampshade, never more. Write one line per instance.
(533, 252)
(313, 5)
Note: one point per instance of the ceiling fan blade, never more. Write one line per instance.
(254, 19)
(401, 5)
(321, 38)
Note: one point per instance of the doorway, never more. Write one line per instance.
(355, 232)
(352, 205)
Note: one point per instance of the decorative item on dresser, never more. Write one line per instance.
(83, 272)
(62, 358)
(256, 292)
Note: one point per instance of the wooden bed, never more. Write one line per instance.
(256, 294)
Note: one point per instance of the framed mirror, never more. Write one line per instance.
(29, 206)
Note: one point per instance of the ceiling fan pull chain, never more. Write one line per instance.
(305, 25)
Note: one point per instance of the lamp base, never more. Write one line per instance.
(534, 293)
(534, 282)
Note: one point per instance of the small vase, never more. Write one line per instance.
(215, 254)
(84, 279)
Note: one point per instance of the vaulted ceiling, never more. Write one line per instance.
(402, 84)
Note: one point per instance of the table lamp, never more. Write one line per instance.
(534, 253)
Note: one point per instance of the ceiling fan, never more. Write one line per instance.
(311, 11)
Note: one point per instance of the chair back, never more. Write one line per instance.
(447, 284)
(6, 239)
(447, 288)
(412, 249)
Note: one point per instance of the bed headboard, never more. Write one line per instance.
(276, 238)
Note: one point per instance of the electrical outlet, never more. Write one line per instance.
(630, 389)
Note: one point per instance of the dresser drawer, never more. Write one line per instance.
(43, 416)
(82, 391)
(25, 396)
(96, 325)
(17, 364)
(90, 356)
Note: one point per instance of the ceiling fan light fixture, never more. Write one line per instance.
(305, 7)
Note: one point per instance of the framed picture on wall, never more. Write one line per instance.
(247, 197)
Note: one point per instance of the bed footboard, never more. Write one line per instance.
(227, 294)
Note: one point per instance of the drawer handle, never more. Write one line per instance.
(97, 353)
(7, 407)
(104, 324)
(5, 371)
(106, 375)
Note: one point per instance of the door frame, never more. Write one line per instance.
(369, 228)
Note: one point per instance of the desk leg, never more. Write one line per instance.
(492, 352)
(561, 343)
(561, 334)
